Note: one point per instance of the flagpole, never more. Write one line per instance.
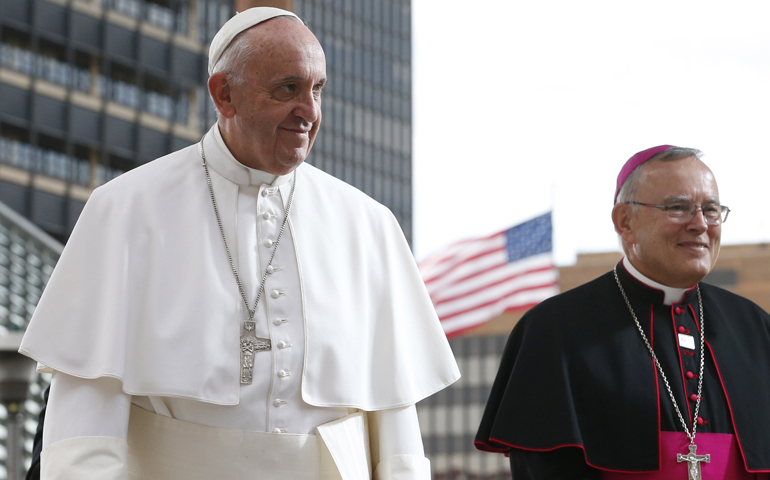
(553, 221)
(553, 197)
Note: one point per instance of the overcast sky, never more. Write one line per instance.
(528, 106)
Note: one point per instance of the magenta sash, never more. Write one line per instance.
(726, 459)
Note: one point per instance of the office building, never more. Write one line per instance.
(93, 88)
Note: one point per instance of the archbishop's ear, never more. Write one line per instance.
(221, 93)
(624, 219)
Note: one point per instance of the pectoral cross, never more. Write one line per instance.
(693, 462)
(250, 344)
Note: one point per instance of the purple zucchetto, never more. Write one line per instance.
(634, 162)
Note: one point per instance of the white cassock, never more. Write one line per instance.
(140, 325)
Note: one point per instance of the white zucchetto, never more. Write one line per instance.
(240, 22)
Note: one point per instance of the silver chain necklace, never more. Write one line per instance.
(692, 458)
(250, 343)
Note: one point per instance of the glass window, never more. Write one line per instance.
(368, 69)
(378, 186)
(182, 17)
(387, 11)
(339, 168)
(126, 7)
(338, 147)
(369, 181)
(328, 21)
(121, 86)
(358, 32)
(377, 69)
(406, 19)
(358, 56)
(157, 99)
(358, 176)
(348, 59)
(377, 99)
(159, 12)
(358, 91)
(377, 39)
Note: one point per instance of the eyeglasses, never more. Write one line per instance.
(683, 212)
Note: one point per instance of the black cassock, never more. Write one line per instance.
(576, 374)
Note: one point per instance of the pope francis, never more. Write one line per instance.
(230, 312)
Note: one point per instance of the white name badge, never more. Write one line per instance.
(687, 341)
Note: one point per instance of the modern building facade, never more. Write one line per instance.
(93, 88)
(365, 138)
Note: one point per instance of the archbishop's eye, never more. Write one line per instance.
(712, 210)
(678, 208)
(288, 88)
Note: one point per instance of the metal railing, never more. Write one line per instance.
(27, 258)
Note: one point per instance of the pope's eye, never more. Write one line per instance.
(288, 87)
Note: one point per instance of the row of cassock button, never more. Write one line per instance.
(690, 375)
(275, 294)
(277, 403)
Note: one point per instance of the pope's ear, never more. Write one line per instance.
(623, 219)
(221, 94)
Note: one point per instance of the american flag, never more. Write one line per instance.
(473, 281)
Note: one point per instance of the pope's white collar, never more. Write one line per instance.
(672, 295)
(224, 163)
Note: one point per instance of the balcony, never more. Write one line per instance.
(154, 13)
(45, 68)
(154, 103)
(68, 76)
(54, 164)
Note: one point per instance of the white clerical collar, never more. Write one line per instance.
(224, 163)
(672, 295)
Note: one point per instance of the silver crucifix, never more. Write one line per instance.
(250, 344)
(693, 462)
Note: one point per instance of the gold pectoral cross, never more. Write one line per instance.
(250, 344)
(693, 462)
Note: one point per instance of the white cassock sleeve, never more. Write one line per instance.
(85, 430)
(396, 445)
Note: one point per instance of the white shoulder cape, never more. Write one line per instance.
(143, 293)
